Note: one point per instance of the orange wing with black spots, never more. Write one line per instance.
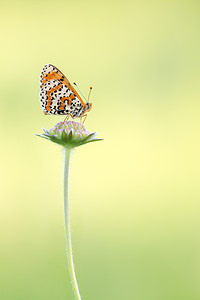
(57, 95)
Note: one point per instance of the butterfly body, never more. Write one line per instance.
(58, 96)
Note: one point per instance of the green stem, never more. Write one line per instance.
(67, 226)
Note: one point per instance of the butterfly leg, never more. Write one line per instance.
(83, 119)
(67, 118)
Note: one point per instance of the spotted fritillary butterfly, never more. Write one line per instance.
(58, 96)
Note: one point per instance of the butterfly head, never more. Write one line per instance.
(88, 104)
(88, 107)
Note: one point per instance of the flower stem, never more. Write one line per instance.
(67, 226)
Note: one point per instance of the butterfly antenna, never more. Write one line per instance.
(79, 90)
(89, 93)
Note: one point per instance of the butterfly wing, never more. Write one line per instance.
(57, 95)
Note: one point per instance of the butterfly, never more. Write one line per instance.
(58, 96)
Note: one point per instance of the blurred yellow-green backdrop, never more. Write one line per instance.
(135, 196)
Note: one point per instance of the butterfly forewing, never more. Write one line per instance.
(57, 95)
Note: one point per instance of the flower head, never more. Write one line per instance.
(69, 134)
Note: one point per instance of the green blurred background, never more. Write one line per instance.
(135, 196)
